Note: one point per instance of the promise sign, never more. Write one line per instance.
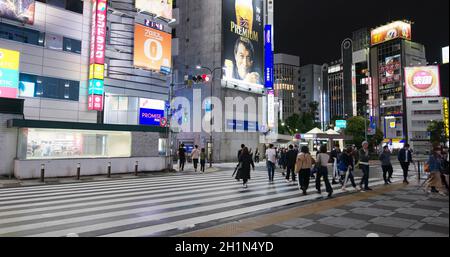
(97, 55)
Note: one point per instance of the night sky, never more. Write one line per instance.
(314, 29)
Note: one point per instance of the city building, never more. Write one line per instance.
(309, 89)
(339, 92)
(286, 84)
(361, 81)
(389, 55)
(80, 96)
(227, 45)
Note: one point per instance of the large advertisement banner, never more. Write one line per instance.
(151, 112)
(422, 81)
(243, 29)
(161, 8)
(20, 10)
(152, 49)
(398, 29)
(9, 73)
(268, 56)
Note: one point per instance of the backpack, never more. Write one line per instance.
(342, 166)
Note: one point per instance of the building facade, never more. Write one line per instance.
(310, 89)
(387, 63)
(286, 84)
(61, 124)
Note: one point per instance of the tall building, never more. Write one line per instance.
(286, 83)
(361, 72)
(84, 95)
(339, 92)
(309, 88)
(391, 51)
(228, 42)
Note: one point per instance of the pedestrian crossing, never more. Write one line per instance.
(142, 207)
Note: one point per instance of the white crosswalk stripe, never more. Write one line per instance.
(142, 207)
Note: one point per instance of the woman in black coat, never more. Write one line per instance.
(245, 161)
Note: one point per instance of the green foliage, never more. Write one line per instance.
(297, 124)
(436, 130)
(355, 128)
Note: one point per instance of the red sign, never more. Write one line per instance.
(95, 102)
(163, 122)
(8, 92)
(98, 31)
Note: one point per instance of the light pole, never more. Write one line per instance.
(211, 71)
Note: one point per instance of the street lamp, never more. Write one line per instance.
(211, 71)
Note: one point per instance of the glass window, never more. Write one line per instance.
(38, 144)
(74, 6)
(72, 45)
(39, 86)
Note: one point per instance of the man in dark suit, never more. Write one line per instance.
(291, 158)
(405, 158)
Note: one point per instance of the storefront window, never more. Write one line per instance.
(36, 143)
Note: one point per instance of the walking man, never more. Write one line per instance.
(385, 158)
(405, 158)
(202, 160)
(364, 158)
(195, 155)
(271, 162)
(334, 155)
(291, 158)
(182, 157)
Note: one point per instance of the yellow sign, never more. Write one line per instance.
(9, 59)
(97, 71)
(393, 124)
(446, 122)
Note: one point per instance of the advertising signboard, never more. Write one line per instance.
(151, 112)
(445, 118)
(9, 73)
(152, 49)
(445, 55)
(422, 81)
(243, 41)
(397, 29)
(162, 8)
(19, 10)
(342, 124)
(97, 55)
(268, 56)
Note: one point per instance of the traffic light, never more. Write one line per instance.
(197, 79)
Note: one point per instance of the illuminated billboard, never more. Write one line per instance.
(162, 8)
(152, 49)
(243, 41)
(9, 73)
(268, 56)
(445, 118)
(445, 55)
(19, 10)
(97, 55)
(151, 112)
(422, 81)
(398, 29)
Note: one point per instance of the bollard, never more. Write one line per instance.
(418, 169)
(78, 171)
(109, 169)
(42, 172)
(136, 166)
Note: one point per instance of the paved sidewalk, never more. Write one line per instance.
(393, 211)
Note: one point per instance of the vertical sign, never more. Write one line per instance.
(271, 109)
(9, 73)
(446, 121)
(97, 55)
(268, 73)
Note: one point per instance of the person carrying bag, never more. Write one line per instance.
(303, 167)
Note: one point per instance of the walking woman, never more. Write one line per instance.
(346, 166)
(182, 157)
(435, 166)
(202, 160)
(245, 161)
(322, 163)
(303, 168)
(195, 155)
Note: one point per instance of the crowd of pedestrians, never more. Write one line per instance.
(299, 166)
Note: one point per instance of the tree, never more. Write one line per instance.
(355, 128)
(376, 139)
(437, 131)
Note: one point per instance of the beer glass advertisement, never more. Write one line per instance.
(161, 8)
(19, 10)
(243, 29)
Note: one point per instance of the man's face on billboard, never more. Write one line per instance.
(244, 61)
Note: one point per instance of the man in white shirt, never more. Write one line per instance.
(271, 161)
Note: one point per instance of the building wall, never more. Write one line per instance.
(421, 111)
(310, 87)
(286, 83)
(38, 60)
